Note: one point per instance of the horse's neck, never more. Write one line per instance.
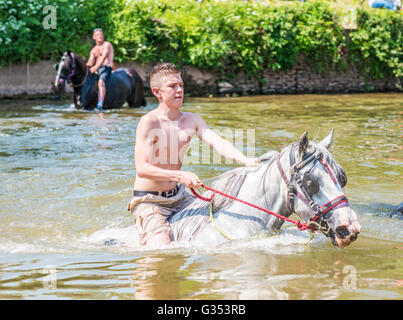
(81, 72)
(81, 63)
(276, 194)
(265, 189)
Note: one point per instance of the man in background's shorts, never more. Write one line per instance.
(104, 73)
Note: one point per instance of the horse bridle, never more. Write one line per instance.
(62, 78)
(318, 221)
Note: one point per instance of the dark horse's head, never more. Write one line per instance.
(69, 66)
(72, 69)
(66, 69)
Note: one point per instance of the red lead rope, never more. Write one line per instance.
(300, 225)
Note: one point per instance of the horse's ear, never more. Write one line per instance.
(60, 52)
(303, 143)
(327, 142)
(69, 53)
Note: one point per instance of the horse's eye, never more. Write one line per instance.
(311, 186)
(342, 178)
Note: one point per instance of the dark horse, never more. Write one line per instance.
(124, 84)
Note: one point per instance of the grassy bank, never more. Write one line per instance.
(226, 37)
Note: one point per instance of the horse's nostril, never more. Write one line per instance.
(342, 232)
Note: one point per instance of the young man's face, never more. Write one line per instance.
(98, 36)
(170, 90)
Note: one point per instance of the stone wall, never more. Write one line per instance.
(30, 80)
(27, 79)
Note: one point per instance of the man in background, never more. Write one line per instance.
(101, 61)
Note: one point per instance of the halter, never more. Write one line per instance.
(318, 221)
(62, 78)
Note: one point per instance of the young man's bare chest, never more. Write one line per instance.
(171, 139)
(98, 49)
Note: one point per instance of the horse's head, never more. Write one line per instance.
(315, 190)
(65, 70)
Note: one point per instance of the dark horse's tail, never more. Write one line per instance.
(137, 96)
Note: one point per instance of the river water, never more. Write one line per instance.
(66, 177)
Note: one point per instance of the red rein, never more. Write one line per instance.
(300, 225)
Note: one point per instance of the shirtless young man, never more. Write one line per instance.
(162, 138)
(101, 60)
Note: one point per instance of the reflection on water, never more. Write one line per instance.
(66, 178)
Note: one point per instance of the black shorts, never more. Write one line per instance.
(104, 73)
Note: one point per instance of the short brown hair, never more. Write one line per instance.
(161, 69)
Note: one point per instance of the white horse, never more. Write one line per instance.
(303, 179)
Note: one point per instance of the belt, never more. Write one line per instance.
(165, 194)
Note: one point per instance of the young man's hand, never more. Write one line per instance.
(251, 162)
(189, 179)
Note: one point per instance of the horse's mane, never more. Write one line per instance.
(230, 182)
(80, 62)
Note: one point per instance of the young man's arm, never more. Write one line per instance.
(143, 152)
(91, 60)
(104, 54)
(222, 146)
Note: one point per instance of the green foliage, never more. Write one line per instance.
(377, 45)
(226, 37)
(319, 36)
(231, 36)
(24, 38)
